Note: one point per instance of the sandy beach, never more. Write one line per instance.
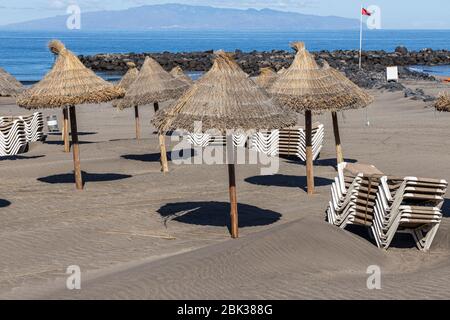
(139, 234)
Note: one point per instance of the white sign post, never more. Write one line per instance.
(392, 74)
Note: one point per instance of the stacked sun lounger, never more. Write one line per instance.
(408, 205)
(12, 138)
(205, 140)
(292, 141)
(34, 125)
(266, 142)
(362, 195)
(288, 142)
(353, 195)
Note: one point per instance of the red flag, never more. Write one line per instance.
(365, 12)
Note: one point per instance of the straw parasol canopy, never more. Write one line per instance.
(153, 84)
(178, 73)
(69, 83)
(281, 71)
(129, 77)
(443, 102)
(305, 86)
(224, 99)
(362, 98)
(9, 86)
(266, 78)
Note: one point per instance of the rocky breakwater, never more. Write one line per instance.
(372, 75)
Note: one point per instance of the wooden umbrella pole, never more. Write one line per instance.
(63, 129)
(156, 106)
(138, 124)
(75, 148)
(309, 153)
(233, 201)
(162, 147)
(337, 138)
(66, 130)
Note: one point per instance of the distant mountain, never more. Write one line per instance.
(179, 17)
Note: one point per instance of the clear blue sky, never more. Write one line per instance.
(396, 14)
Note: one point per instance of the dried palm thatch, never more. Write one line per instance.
(178, 73)
(305, 86)
(362, 98)
(9, 86)
(266, 78)
(281, 71)
(224, 99)
(129, 77)
(69, 83)
(153, 84)
(443, 102)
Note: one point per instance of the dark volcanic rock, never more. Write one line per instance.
(393, 86)
(418, 94)
(372, 75)
(401, 50)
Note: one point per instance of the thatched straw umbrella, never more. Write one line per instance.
(362, 100)
(179, 74)
(129, 77)
(226, 100)
(152, 86)
(281, 71)
(443, 102)
(266, 78)
(68, 84)
(9, 86)
(126, 82)
(305, 87)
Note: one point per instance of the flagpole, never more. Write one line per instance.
(360, 38)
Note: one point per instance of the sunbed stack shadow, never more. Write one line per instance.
(353, 195)
(408, 205)
(292, 141)
(12, 137)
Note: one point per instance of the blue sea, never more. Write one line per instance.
(25, 54)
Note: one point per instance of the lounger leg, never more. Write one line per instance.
(309, 153)
(430, 236)
(75, 148)
(66, 130)
(156, 107)
(138, 124)
(162, 147)
(337, 138)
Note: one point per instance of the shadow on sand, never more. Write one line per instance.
(87, 177)
(400, 240)
(318, 163)
(4, 203)
(216, 214)
(281, 180)
(446, 208)
(61, 143)
(155, 157)
(79, 133)
(21, 157)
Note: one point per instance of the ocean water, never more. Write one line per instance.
(25, 54)
(443, 71)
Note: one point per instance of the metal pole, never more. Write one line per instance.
(360, 38)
